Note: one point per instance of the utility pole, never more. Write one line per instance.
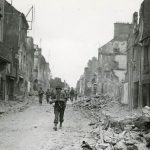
(31, 13)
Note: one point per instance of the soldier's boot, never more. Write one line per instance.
(55, 127)
(60, 126)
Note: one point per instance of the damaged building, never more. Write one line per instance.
(17, 55)
(5, 64)
(41, 71)
(112, 62)
(138, 74)
(87, 84)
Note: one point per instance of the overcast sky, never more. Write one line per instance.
(72, 30)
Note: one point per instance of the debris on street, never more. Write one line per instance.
(117, 131)
(86, 146)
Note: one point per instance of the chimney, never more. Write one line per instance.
(122, 30)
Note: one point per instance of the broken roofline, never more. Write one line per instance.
(100, 50)
(19, 13)
(117, 38)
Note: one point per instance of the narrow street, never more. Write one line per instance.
(32, 129)
(92, 55)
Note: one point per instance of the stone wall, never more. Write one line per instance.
(112, 62)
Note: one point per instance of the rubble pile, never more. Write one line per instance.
(16, 106)
(95, 102)
(114, 127)
(128, 139)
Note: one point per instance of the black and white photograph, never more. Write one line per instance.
(74, 74)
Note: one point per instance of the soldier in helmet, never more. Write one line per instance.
(40, 94)
(72, 94)
(60, 100)
(48, 94)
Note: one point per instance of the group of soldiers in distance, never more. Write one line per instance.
(59, 98)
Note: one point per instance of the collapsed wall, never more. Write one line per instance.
(112, 62)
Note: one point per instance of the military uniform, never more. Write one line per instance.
(40, 93)
(59, 107)
(48, 94)
(53, 93)
(60, 100)
(71, 95)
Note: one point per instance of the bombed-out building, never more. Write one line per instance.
(138, 74)
(112, 62)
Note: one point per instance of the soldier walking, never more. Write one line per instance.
(60, 100)
(75, 95)
(48, 94)
(53, 93)
(72, 94)
(40, 94)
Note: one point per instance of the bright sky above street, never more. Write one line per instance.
(72, 30)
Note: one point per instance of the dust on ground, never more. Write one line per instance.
(32, 129)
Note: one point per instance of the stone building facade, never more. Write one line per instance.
(87, 83)
(30, 63)
(15, 28)
(41, 71)
(124, 62)
(9, 28)
(17, 55)
(112, 62)
(5, 62)
(138, 73)
(80, 87)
